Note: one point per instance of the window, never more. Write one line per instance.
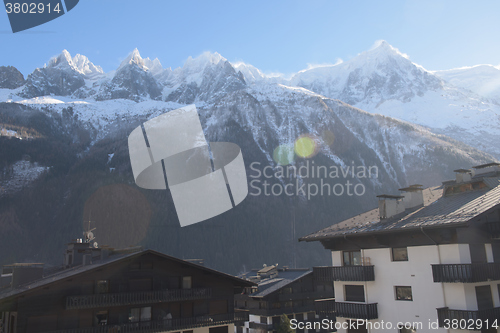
(297, 303)
(101, 287)
(354, 293)
(276, 305)
(352, 258)
(263, 320)
(399, 254)
(139, 314)
(186, 282)
(477, 253)
(101, 318)
(484, 298)
(403, 293)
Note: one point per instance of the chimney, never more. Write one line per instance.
(87, 259)
(413, 196)
(390, 205)
(76, 252)
(486, 168)
(463, 175)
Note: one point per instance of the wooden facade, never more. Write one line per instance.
(142, 292)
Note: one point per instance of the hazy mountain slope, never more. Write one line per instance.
(484, 80)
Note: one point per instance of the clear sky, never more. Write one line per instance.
(274, 36)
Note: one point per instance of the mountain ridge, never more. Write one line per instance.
(75, 137)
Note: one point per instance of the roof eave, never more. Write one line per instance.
(378, 232)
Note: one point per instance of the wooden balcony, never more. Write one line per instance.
(466, 273)
(146, 297)
(473, 320)
(356, 310)
(344, 273)
(166, 325)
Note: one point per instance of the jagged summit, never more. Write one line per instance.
(146, 64)
(64, 58)
(251, 73)
(78, 63)
(374, 76)
(134, 57)
(381, 80)
(381, 53)
(382, 46)
(205, 59)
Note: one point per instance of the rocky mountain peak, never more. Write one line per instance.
(203, 60)
(134, 57)
(79, 63)
(10, 77)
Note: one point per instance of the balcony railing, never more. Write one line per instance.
(344, 273)
(146, 297)
(166, 325)
(356, 310)
(325, 308)
(466, 273)
(472, 320)
(306, 295)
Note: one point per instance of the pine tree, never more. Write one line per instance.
(284, 326)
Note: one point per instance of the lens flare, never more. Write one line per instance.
(284, 154)
(305, 147)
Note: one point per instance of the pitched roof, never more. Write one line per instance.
(482, 166)
(283, 279)
(438, 211)
(77, 270)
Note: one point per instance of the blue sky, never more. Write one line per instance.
(274, 36)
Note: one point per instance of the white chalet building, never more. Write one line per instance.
(427, 259)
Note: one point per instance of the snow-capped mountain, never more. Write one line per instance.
(371, 78)
(384, 80)
(376, 79)
(250, 73)
(132, 80)
(204, 78)
(78, 63)
(76, 121)
(484, 80)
